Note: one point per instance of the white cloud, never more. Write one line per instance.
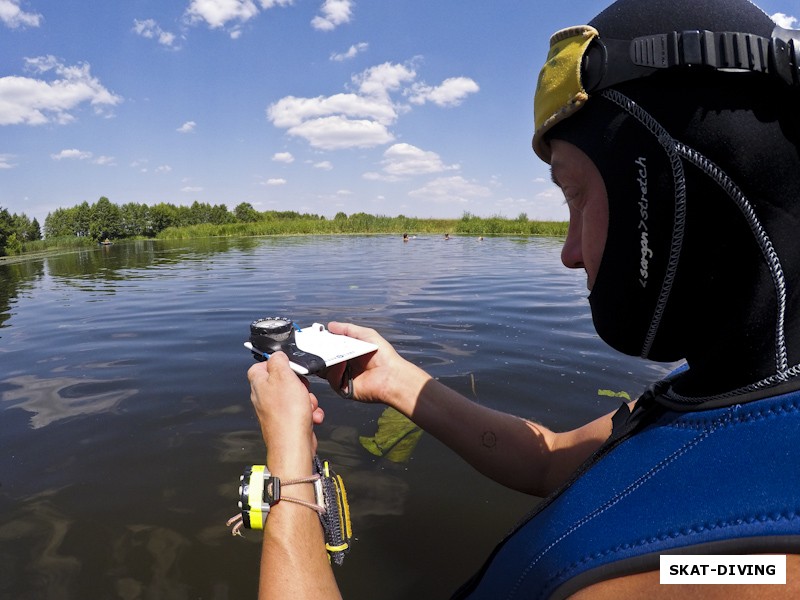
(219, 12)
(451, 92)
(450, 190)
(5, 161)
(351, 52)
(151, 30)
(361, 119)
(325, 165)
(338, 132)
(75, 154)
(275, 181)
(163, 169)
(334, 13)
(31, 101)
(187, 127)
(105, 161)
(405, 159)
(284, 157)
(228, 13)
(785, 21)
(380, 80)
(192, 189)
(334, 122)
(13, 16)
(292, 111)
(72, 153)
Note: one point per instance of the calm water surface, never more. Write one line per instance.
(126, 418)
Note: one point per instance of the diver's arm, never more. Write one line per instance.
(294, 562)
(513, 451)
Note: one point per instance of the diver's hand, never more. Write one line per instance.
(286, 410)
(377, 376)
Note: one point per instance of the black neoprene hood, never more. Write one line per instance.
(702, 171)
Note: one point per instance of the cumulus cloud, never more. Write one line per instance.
(72, 153)
(163, 169)
(36, 101)
(337, 132)
(151, 30)
(13, 16)
(192, 189)
(403, 160)
(324, 165)
(6, 161)
(451, 92)
(334, 13)
(350, 53)
(362, 118)
(346, 120)
(187, 127)
(381, 80)
(785, 21)
(228, 14)
(284, 157)
(451, 190)
(334, 122)
(75, 154)
(292, 111)
(275, 181)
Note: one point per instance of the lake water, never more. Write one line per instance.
(126, 418)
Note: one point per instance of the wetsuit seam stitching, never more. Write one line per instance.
(684, 533)
(728, 420)
(641, 480)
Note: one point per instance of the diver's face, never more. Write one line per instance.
(585, 195)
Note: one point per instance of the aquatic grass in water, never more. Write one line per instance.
(127, 421)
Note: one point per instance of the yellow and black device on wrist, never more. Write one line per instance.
(260, 490)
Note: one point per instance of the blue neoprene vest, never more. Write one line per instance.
(719, 481)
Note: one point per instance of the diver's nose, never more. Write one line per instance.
(571, 252)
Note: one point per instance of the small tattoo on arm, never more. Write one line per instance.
(489, 439)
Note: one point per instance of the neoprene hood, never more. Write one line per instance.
(702, 170)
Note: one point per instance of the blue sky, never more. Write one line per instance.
(413, 107)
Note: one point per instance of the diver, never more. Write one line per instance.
(673, 131)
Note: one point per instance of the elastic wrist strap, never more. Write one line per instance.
(319, 508)
(259, 490)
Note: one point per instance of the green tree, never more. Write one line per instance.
(134, 219)
(161, 216)
(6, 229)
(105, 221)
(219, 215)
(245, 213)
(34, 231)
(82, 219)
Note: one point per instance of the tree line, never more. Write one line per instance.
(16, 230)
(106, 220)
(86, 224)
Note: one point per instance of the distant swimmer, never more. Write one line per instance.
(447, 236)
(405, 237)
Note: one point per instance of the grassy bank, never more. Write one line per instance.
(302, 225)
(355, 224)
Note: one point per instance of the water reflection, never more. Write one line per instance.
(126, 418)
(15, 278)
(54, 399)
